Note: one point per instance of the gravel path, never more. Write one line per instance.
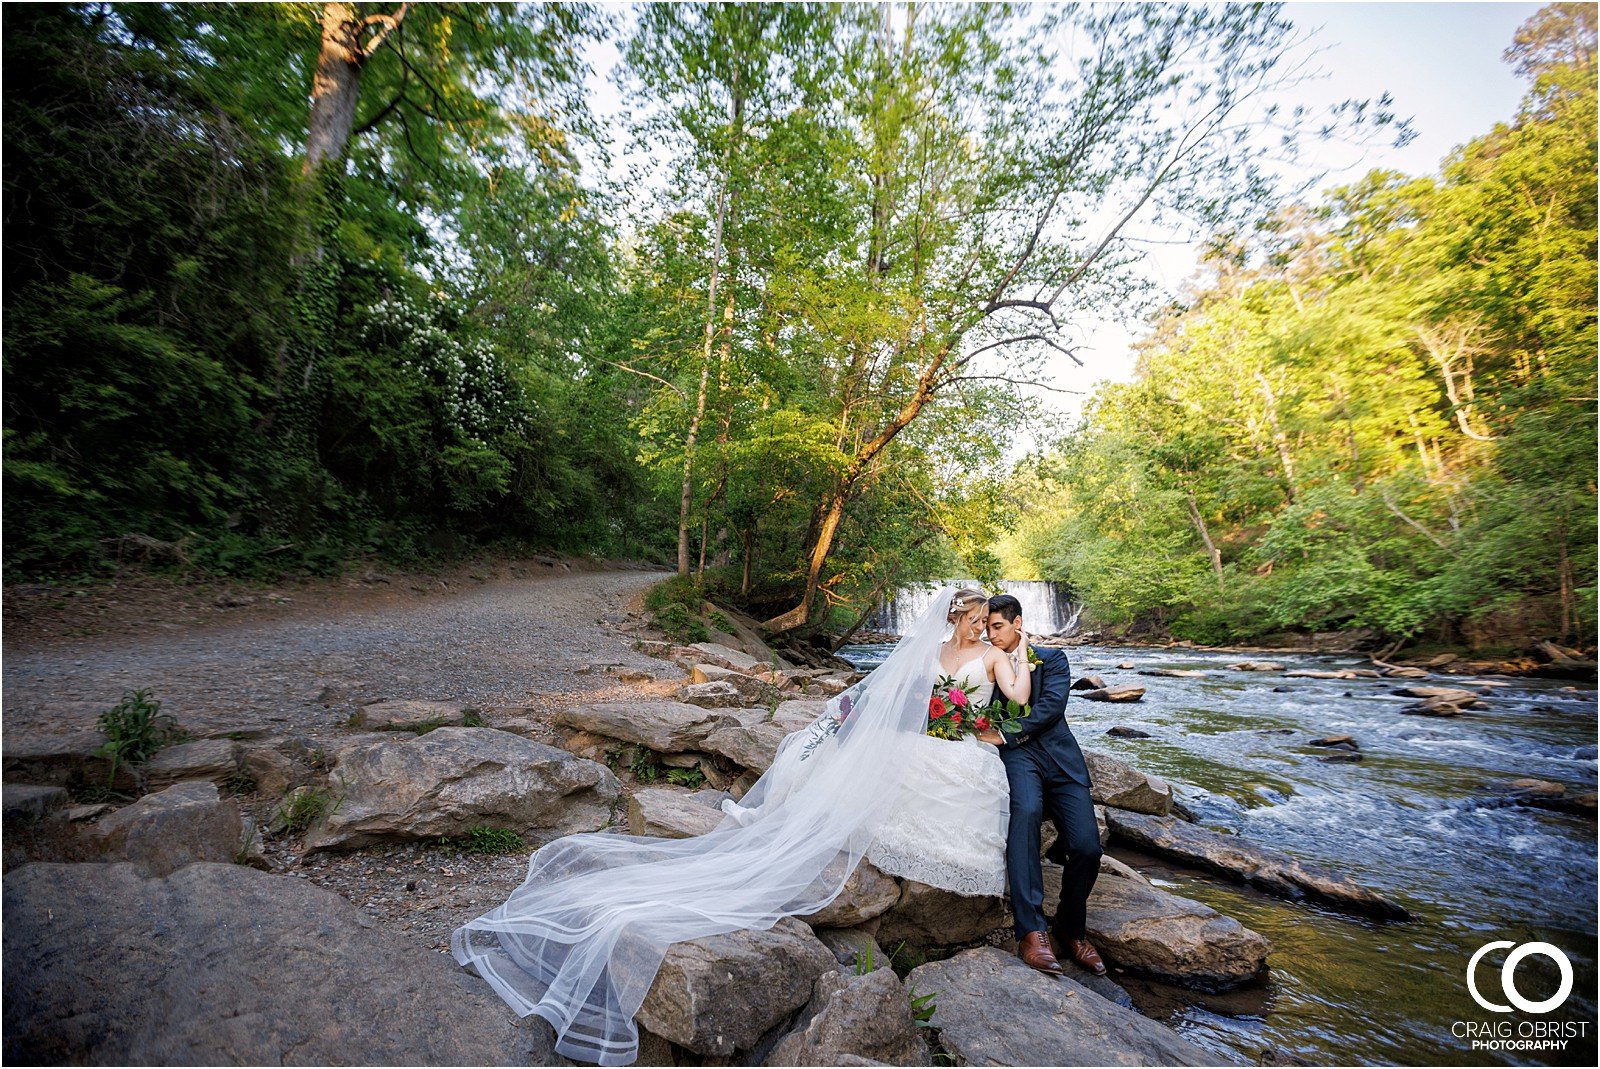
(500, 641)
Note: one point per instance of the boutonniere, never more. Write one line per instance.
(1034, 660)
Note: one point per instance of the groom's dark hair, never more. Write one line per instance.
(1006, 606)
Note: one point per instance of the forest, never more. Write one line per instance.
(292, 285)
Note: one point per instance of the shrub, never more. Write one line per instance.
(136, 728)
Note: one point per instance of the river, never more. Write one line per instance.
(1415, 820)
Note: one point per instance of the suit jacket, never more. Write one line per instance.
(1044, 727)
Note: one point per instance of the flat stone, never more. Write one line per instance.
(225, 965)
(853, 948)
(1114, 694)
(1088, 683)
(1346, 741)
(866, 1016)
(725, 656)
(1433, 707)
(1157, 933)
(663, 726)
(216, 760)
(32, 801)
(408, 713)
(1174, 673)
(1121, 732)
(1405, 673)
(165, 831)
(1449, 694)
(1115, 783)
(718, 995)
(990, 1009)
(715, 695)
(1318, 673)
(749, 740)
(1230, 855)
(868, 893)
(450, 780)
(1257, 666)
(68, 759)
(672, 814)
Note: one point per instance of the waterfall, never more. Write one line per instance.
(1047, 608)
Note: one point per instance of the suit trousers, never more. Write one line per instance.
(1040, 788)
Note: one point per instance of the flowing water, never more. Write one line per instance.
(1047, 608)
(1420, 820)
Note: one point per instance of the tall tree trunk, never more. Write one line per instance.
(335, 87)
(686, 498)
(1278, 437)
(1205, 536)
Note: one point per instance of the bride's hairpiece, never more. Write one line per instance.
(963, 600)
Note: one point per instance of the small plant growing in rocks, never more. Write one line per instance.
(471, 718)
(136, 728)
(692, 778)
(482, 839)
(300, 807)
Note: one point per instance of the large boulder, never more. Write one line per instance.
(868, 893)
(216, 760)
(71, 758)
(719, 994)
(26, 802)
(662, 726)
(1269, 870)
(750, 690)
(749, 740)
(1145, 929)
(854, 949)
(725, 657)
(798, 713)
(225, 965)
(1125, 787)
(868, 1016)
(927, 916)
(448, 781)
(990, 1009)
(163, 832)
(409, 713)
(719, 694)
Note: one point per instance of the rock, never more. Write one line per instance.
(1143, 928)
(163, 832)
(853, 948)
(1121, 732)
(1318, 673)
(828, 685)
(1114, 694)
(79, 813)
(1088, 683)
(719, 994)
(216, 760)
(1433, 707)
(1531, 787)
(24, 802)
(1344, 741)
(1404, 673)
(225, 965)
(1117, 784)
(796, 714)
(671, 814)
(404, 715)
(1124, 666)
(1257, 666)
(1339, 756)
(1048, 833)
(866, 1016)
(448, 781)
(273, 767)
(927, 916)
(1449, 694)
(69, 759)
(1282, 690)
(725, 657)
(1173, 673)
(868, 893)
(990, 1009)
(756, 690)
(1230, 855)
(663, 726)
(718, 695)
(748, 740)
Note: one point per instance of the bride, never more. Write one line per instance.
(579, 942)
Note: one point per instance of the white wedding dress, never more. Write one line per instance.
(948, 825)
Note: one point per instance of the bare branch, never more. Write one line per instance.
(645, 374)
(386, 24)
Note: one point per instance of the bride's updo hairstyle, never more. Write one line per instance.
(963, 602)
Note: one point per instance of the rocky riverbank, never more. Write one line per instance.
(351, 777)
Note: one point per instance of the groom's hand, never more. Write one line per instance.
(991, 736)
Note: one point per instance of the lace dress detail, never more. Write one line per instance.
(948, 828)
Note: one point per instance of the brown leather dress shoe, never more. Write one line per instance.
(1084, 953)
(1034, 950)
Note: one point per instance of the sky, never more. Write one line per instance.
(1439, 61)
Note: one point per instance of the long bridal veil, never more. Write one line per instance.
(581, 940)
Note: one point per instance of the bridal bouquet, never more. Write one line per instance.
(951, 714)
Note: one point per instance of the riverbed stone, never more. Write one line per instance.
(216, 760)
(226, 965)
(1146, 929)
(990, 1009)
(1088, 682)
(1257, 666)
(165, 831)
(719, 994)
(1115, 783)
(1238, 858)
(1114, 694)
(926, 916)
(663, 726)
(868, 1016)
(450, 780)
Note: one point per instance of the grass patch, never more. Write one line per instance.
(425, 726)
(471, 718)
(645, 765)
(303, 806)
(240, 782)
(676, 606)
(96, 793)
(692, 778)
(482, 839)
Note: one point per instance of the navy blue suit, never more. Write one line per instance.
(1048, 776)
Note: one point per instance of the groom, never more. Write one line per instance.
(1047, 774)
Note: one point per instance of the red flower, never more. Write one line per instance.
(982, 723)
(935, 707)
